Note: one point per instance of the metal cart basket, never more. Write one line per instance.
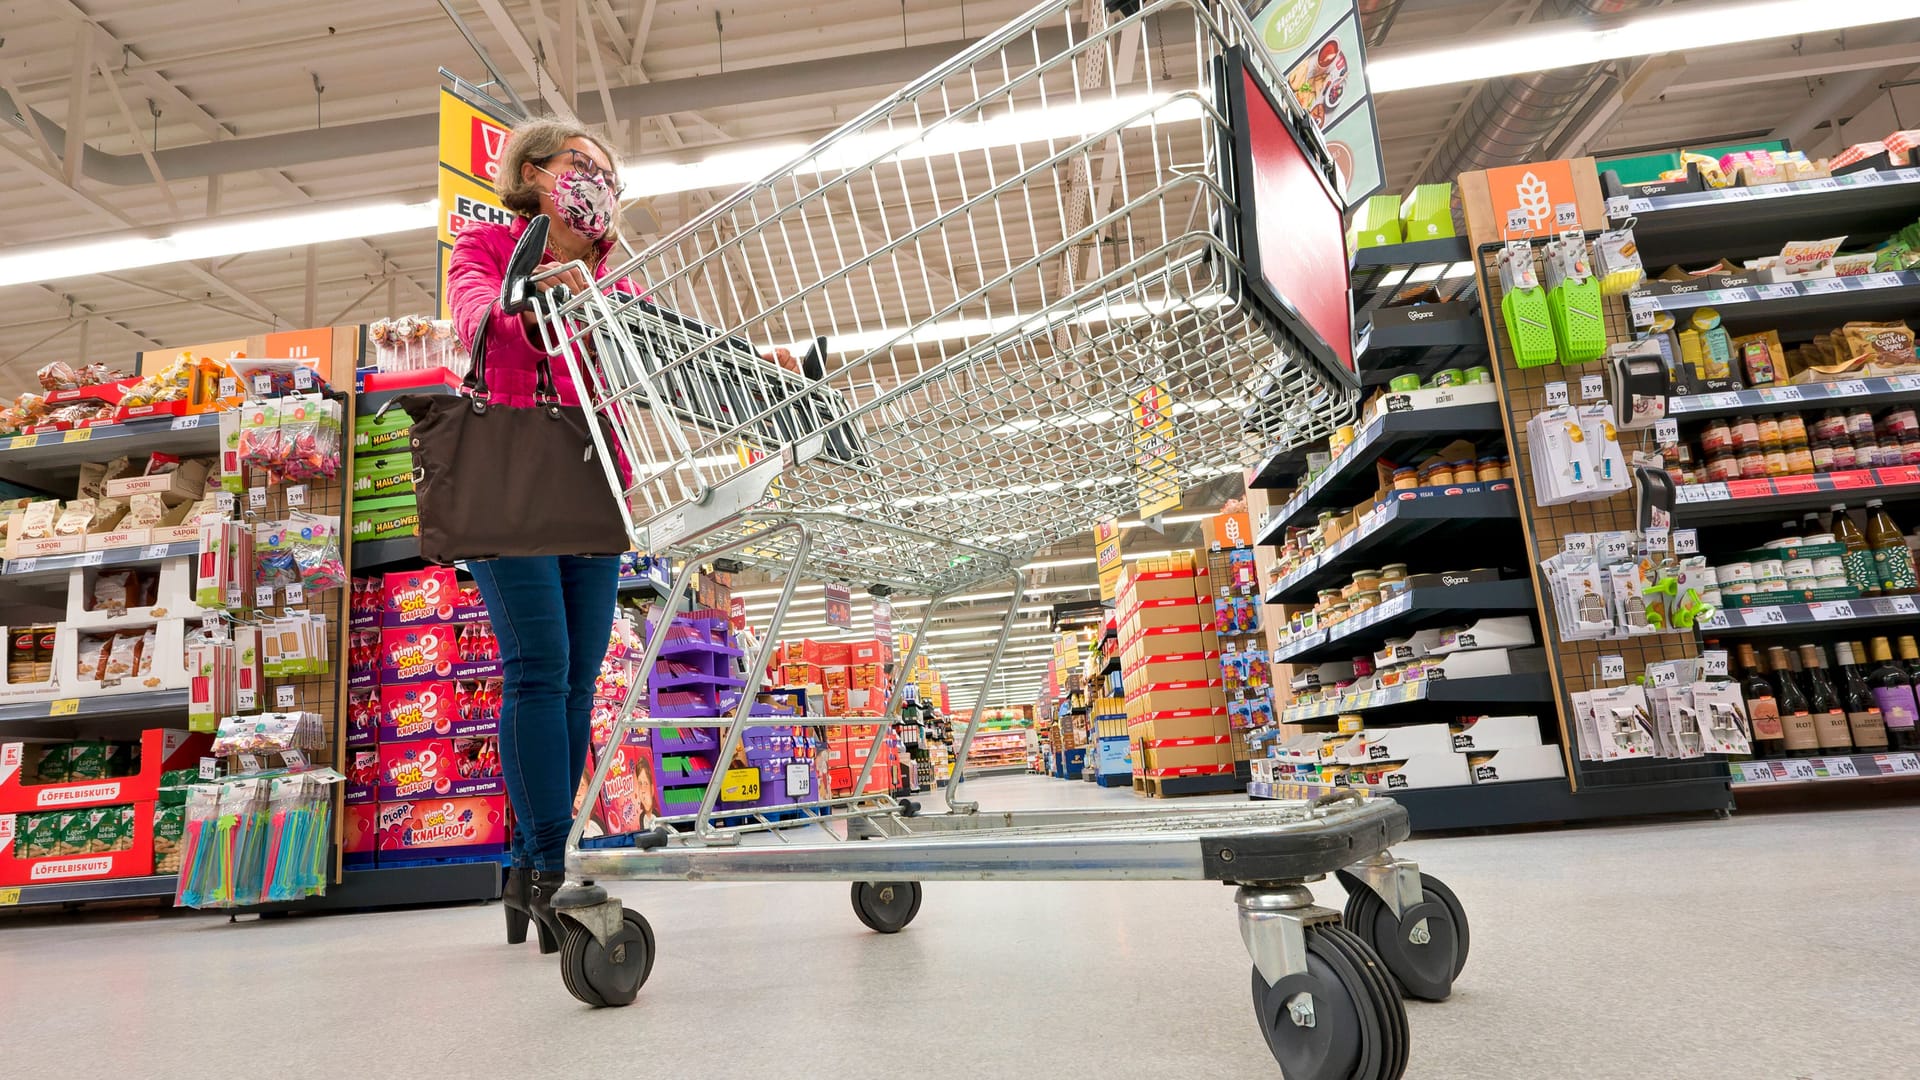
(1019, 308)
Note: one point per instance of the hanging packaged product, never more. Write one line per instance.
(1576, 454)
(224, 568)
(1616, 262)
(1573, 300)
(248, 841)
(1523, 306)
(303, 552)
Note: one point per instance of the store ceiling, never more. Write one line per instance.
(231, 73)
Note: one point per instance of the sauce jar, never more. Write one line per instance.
(1800, 461)
(1487, 469)
(1716, 437)
(1753, 464)
(1844, 456)
(1365, 581)
(1859, 422)
(1902, 421)
(1746, 434)
(1362, 600)
(1793, 429)
(1436, 474)
(1393, 579)
(1822, 453)
(1406, 478)
(1463, 471)
(1831, 425)
(1769, 431)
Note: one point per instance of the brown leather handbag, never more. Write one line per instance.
(493, 480)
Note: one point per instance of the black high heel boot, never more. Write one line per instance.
(514, 896)
(541, 885)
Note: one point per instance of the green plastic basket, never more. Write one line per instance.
(1529, 326)
(1579, 326)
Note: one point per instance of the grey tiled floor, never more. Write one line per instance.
(1768, 946)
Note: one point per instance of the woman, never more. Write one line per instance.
(553, 614)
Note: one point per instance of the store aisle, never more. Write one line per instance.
(1700, 949)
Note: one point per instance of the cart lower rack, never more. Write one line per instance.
(1026, 264)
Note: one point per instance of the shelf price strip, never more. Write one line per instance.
(1837, 767)
(1622, 206)
(1769, 396)
(1822, 484)
(1642, 305)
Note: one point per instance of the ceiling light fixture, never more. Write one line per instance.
(1694, 28)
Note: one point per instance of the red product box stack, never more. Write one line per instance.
(1177, 717)
(425, 780)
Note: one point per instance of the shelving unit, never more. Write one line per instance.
(1469, 525)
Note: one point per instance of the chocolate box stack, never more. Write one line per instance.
(423, 748)
(1177, 718)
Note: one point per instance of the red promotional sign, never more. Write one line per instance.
(737, 613)
(486, 143)
(839, 607)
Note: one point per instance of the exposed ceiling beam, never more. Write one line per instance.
(1648, 80)
(1841, 96)
(83, 309)
(76, 146)
(1706, 78)
(13, 93)
(516, 41)
(641, 28)
(77, 105)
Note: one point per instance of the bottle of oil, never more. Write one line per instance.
(1861, 572)
(1892, 558)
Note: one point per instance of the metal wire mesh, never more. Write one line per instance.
(986, 269)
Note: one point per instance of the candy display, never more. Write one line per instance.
(269, 733)
(292, 440)
(415, 343)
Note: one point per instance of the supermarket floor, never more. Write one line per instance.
(1765, 946)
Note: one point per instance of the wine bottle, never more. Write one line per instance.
(1861, 572)
(1829, 715)
(1796, 719)
(1868, 730)
(1893, 692)
(1763, 710)
(1892, 558)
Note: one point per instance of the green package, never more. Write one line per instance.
(55, 766)
(75, 836)
(382, 476)
(392, 430)
(27, 839)
(169, 825)
(89, 761)
(123, 759)
(112, 828)
(386, 518)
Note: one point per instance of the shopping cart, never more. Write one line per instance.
(1019, 310)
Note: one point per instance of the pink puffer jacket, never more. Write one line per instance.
(474, 271)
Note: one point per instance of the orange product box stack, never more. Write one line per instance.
(1170, 665)
(848, 678)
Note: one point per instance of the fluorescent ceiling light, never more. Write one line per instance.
(1692, 28)
(235, 236)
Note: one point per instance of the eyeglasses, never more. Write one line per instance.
(580, 162)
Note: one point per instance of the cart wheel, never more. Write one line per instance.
(1424, 968)
(886, 907)
(1339, 1020)
(611, 974)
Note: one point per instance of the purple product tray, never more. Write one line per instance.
(662, 681)
(688, 740)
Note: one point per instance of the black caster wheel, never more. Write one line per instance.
(1340, 1020)
(1424, 960)
(886, 907)
(610, 974)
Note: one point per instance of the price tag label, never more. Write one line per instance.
(263, 385)
(1617, 207)
(1800, 769)
(1776, 292)
(1660, 675)
(1734, 296)
(249, 763)
(63, 707)
(1666, 432)
(1755, 772)
(1686, 541)
(21, 566)
(229, 386)
(1823, 183)
(1901, 764)
(256, 498)
(1715, 621)
(1785, 393)
(1849, 388)
(1657, 539)
(91, 558)
(1903, 605)
(1819, 286)
(209, 768)
(1904, 382)
(155, 551)
(303, 378)
(263, 596)
(1839, 767)
(1639, 206)
(1579, 543)
(1613, 667)
(1832, 609)
(1907, 176)
(294, 759)
(81, 435)
(1566, 215)
(1713, 663)
(296, 594)
(1517, 220)
(1592, 388)
(284, 697)
(184, 423)
(799, 780)
(1881, 281)
(1614, 547)
(1556, 394)
(1766, 616)
(296, 494)
(1867, 177)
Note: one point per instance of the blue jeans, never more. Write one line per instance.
(553, 616)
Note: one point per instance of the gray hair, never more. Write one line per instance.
(532, 142)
